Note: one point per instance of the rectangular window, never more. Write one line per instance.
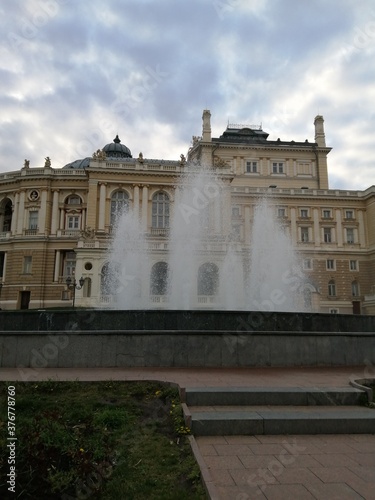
(236, 233)
(73, 221)
(304, 213)
(331, 264)
(304, 234)
(33, 219)
(251, 167)
(332, 289)
(27, 262)
(355, 289)
(235, 211)
(349, 214)
(2, 264)
(350, 235)
(278, 167)
(69, 263)
(326, 214)
(307, 264)
(281, 212)
(327, 235)
(353, 265)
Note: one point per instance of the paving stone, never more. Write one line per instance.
(333, 492)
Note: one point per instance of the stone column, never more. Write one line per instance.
(144, 207)
(5, 264)
(62, 221)
(316, 227)
(55, 212)
(339, 228)
(13, 226)
(83, 219)
(247, 225)
(361, 229)
(43, 212)
(102, 206)
(136, 200)
(57, 266)
(21, 212)
(293, 225)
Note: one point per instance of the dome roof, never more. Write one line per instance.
(83, 163)
(117, 150)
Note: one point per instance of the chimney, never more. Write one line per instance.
(320, 137)
(206, 130)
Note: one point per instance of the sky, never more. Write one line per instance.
(74, 73)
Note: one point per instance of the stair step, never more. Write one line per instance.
(253, 420)
(196, 396)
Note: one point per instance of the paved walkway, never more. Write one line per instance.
(324, 467)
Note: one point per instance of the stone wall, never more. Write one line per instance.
(90, 338)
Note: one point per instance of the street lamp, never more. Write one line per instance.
(72, 285)
(1, 287)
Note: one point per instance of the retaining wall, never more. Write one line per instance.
(90, 338)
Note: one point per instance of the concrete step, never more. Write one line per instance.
(197, 396)
(253, 420)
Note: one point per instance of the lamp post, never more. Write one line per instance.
(1, 287)
(72, 285)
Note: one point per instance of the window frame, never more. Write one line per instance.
(278, 167)
(33, 219)
(331, 265)
(327, 235)
(27, 265)
(160, 210)
(332, 292)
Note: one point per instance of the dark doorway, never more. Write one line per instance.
(356, 307)
(25, 300)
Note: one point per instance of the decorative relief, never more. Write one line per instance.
(34, 195)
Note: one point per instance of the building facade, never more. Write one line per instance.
(58, 223)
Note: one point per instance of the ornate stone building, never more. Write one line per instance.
(57, 223)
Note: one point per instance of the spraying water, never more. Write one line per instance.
(201, 266)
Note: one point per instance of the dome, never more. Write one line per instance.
(83, 163)
(117, 150)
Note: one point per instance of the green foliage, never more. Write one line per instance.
(99, 440)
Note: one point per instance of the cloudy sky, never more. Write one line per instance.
(74, 73)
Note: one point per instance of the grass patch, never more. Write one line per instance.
(99, 440)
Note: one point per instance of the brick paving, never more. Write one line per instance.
(322, 467)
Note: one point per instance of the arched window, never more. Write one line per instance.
(160, 210)
(355, 288)
(208, 279)
(6, 215)
(159, 279)
(73, 199)
(332, 288)
(307, 298)
(119, 205)
(106, 280)
(87, 287)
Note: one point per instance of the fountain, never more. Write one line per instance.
(203, 266)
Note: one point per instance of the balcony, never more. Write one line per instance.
(159, 231)
(31, 232)
(159, 299)
(70, 233)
